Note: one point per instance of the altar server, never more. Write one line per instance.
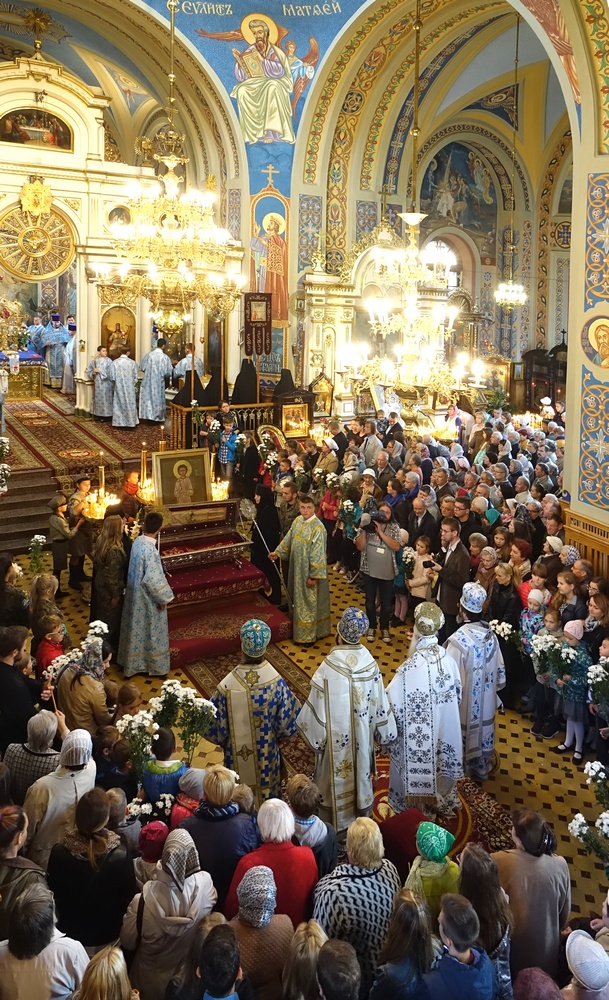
(255, 709)
(347, 709)
(52, 342)
(124, 377)
(144, 641)
(35, 331)
(305, 548)
(476, 649)
(427, 757)
(156, 367)
(69, 361)
(185, 365)
(100, 369)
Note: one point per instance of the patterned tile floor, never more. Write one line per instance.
(526, 773)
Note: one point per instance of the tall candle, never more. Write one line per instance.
(143, 464)
(101, 475)
(162, 438)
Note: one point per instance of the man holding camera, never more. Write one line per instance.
(451, 564)
(378, 540)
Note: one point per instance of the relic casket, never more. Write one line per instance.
(210, 535)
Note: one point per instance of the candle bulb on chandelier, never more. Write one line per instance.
(143, 464)
(162, 438)
(101, 476)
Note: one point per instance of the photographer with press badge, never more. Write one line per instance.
(378, 540)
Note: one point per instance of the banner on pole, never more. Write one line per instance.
(258, 332)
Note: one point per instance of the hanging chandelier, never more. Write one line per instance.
(402, 272)
(170, 250)
(510, 294)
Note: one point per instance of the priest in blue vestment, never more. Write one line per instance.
(156, 367)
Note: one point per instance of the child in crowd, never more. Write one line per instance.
(127, 827)
(244, 797)
(531, 619)
(400, 590)
(51, 645)
(121, 773)
(304, 798)
(295, 450)
(150, 845)
(161, 773)
(348, 521)
(42, 603)
(538, 581)
(283, 475)
(476, 541)
(574, 684)
(128, 700)
(568, 600)
(420, 585)
(189, 796)
(547, 698)
(103, 742)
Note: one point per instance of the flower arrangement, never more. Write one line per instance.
(598, 679)
(181, 708)
(505, 631)
(215, 432)
(162, 808)
(239, 447)
(595, 839)
(408, 558)
(5, 470)
(348, 513)
(271, 460)
(35, 550)
(138, 731)
(194, 721)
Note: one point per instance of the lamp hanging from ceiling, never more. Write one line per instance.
(510, 294)
(171, 251)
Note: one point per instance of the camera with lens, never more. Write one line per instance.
(367, 520)
(427, 563)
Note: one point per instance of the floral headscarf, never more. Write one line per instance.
(180, 858)
(571, 556)
(91, 659)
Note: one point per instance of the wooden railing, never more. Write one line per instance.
(590, 537)
(249, 417)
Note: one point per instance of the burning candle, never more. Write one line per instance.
(162, 438)
(143, 464)
(101, 475)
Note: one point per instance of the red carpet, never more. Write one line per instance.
(197, 632)
(216, 580)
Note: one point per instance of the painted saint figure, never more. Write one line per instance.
(271, 255)
(264, 88)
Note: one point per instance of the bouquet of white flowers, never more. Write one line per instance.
(408, 556)
(240, 447)
(546, 653)
(505, 631)
(165, 708)
(598, 679)
(271, 461)
(35, 549)
(596, 838)
(138, 731)
(194, 720)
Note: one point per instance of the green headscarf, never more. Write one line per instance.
(434, 842)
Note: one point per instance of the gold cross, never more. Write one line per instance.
(269, 171)
(383, 193)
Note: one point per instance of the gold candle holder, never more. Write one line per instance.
(101, 475)
(143, 464)
(162, 438)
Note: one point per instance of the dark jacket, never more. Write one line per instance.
(574, 612)
(505, 605)
(451, 578)
(13, 607)
(222, 836)
(16, 874)
(453, 980)
(538, 537)
(18, 696)
(266, 527)
(341, 442)
(554, 566)
(394, 981)
(470, 527)
(91, 904)
(326, 853)
(428, 527)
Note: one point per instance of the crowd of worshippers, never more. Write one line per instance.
(227, 882)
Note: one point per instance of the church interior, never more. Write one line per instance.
(320, 213)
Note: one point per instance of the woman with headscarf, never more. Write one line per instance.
(169, 909)
(395, 450)
(80, 688)
(516, 471)
(428, 496)
(485, 575)
(13, 601)
(263, 936)
(266, 532)
(432, 873)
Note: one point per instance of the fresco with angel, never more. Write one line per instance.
(270, 77)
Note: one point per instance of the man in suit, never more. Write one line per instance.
(421, 522)
(451, 564)
(339, 438)
(440, 483)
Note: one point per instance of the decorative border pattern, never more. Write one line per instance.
(563, 149)
(366, 217)
(597, 27)
(593, 485)
(596, 282)
(233, 220)
(501, 103)
(310, 208)
(525, 317)
(561, 318)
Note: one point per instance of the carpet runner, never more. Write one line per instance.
(200, 632)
